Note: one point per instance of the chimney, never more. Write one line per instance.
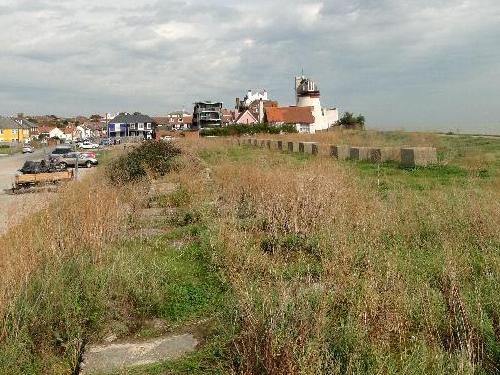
(238, 103)
(261, 111)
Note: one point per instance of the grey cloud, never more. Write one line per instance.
(385, 58)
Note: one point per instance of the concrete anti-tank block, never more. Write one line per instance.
(340, 152)
(296, 146)
(289, 146)
(418, 156)
(311, 148)
(276, 145)
(359, 153)
(383, 154)
(268, 143)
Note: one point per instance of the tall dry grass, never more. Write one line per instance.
(85, 218)
(331, 277)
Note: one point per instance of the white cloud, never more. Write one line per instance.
(372, 56)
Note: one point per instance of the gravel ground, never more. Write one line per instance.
(14, 207)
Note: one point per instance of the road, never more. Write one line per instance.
(14, 207)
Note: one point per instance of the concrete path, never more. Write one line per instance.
(107, 358)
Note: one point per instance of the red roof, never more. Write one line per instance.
(45, 129)
(290, 115)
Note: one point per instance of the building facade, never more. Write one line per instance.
(307, 94)
(207, 115)
(132, 125)
(12, 132)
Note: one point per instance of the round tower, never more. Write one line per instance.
(308, 95)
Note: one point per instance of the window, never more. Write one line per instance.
(14, 131)
(304, 128)
(140, 126)
(148, 126)
(132, 126)
(1, 131)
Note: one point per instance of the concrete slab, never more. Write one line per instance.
(340, 152)
(383, 154)
(359, 153)
(418, 156)
(311, 148)
(113, 357)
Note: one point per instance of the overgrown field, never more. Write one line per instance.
(301, 264)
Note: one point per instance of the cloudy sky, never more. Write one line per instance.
(408, 64)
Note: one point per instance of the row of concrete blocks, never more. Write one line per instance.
(303, 147)
(407, 156)
(410, 156)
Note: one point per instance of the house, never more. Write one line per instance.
(12, 132)
(256, 103)
(56, 132)
(132, 125)
(207, 115)
(247, 118)
(229, 116)
(250, 98)
(30, 128)
(175, 121)
(301, 117)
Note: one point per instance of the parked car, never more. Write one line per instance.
(60, 150)
(88, 145)
(27, 149)
(42, 166)
(105, 142)
(90, 155)
(70, 160)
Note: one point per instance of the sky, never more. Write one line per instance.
(403, 64)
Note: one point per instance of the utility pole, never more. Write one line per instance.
(76, 164)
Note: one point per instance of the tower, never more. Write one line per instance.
(308, 95)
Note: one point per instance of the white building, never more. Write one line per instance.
(251, 97)
(308, 95)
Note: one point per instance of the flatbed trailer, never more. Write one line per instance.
(38, 179)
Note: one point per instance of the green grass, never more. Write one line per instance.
(7, 150)
(391, 176)
(70, 303)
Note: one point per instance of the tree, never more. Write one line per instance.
(349, 121)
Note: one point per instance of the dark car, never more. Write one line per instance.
(43, 166)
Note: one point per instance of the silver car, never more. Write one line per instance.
(70, 160)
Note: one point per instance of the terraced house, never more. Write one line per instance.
(12, 132)
(132, 125)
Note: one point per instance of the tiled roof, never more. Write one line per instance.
(125, 118)
(8, 123)
(290, 115)
(45, 129)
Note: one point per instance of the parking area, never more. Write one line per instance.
(15, 207)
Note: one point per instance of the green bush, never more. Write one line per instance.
(241, 129)
(153, 157)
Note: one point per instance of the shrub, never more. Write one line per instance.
(153, 157)
(240, 129)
